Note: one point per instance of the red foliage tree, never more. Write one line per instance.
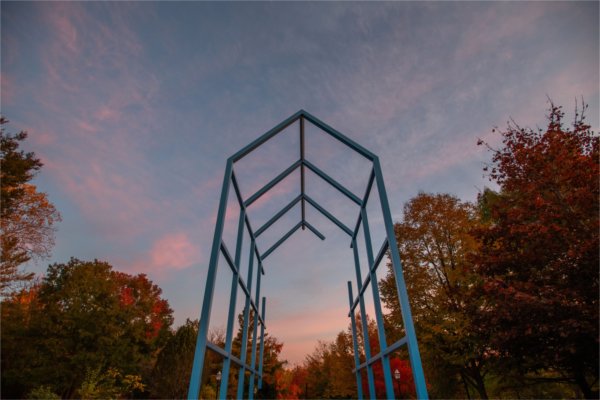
(539, 254)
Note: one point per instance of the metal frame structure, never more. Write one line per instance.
(257, 257)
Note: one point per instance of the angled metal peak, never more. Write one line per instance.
(266, 136)
(244, 285)
(338, 135)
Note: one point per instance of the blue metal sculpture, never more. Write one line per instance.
(256, 259)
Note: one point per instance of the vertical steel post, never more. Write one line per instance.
(244, 347)
(262, 344)
(254, 335)
(364, 323)
(411, 336)
(232, 303)
(355, 342)
(302, 170)
(200, 352)
(385, 360)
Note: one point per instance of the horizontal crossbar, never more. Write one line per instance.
(278, 215)
(332, 182)
(328, 215)
(380, 255)
(274, 182)
(233, 358)
(381, 354)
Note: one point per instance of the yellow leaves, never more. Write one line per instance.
(30, 223)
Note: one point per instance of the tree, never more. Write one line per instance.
(27, 216)
(435, 244)
(329, 369)
(82, 317)
(539, 254)
(171, 374)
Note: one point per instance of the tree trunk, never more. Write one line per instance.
(466, 385)
(584, 386)
(474, 373)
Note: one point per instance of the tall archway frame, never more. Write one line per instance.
(254, 366)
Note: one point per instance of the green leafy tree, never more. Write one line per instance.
(83, 316)
(329, 369)
(539, 254)
(27, 223)
(171, 374)
(110, 384)
(435, 245)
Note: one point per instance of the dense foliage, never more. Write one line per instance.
(27, 217)
(539, 251)
(504, 295)
(435, 243)
(81, 322)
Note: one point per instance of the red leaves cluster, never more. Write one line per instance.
(141, 297)
(539, 250)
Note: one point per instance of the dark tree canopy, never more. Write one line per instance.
(27, 216)
(539, 253)
(82, 317)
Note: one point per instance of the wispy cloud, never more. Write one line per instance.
(172, 251)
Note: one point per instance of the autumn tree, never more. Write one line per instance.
(435, 244)
(171, 374)
(329, 369)
(539, 253)
(82, 317)
(28, 219)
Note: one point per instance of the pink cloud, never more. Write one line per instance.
(174, 251)
(170, 252)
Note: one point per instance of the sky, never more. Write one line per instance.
(134, 108)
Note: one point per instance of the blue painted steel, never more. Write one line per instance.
(254, 341)
(232, 302)
(365, 326)
(243, 354)
(328, 215)
(278, 215)
(332, 182)
(364, 201)
(196, 376)
(387, 372)
(268, 135)
(302, 206)
(395, 346)
(256, 371)
(262, 344)
(378, 259)
(413, 346)
(280, 241)
(342, 138)
(272, 183)
(355, 344)
(314, 230)
(248, 225)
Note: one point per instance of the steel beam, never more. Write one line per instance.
(271, 184)
(266, 136)
(413, 346)
(337, 135)
(328, 215)
(201, 340)
(262, 345)
(387, 372)
(320, 173)
(355, 345)
(365, 325)
(279, 214)
(243, 350)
